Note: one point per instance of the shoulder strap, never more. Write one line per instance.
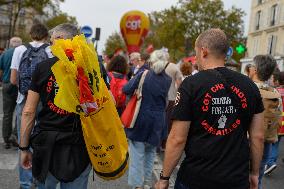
(167, 65)
(141, 82)
(44, 46)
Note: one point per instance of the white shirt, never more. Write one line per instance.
(16, 59)
(194, 72)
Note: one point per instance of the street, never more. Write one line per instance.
(9, 173)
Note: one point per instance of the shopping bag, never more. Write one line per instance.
(132, 109)
(83, 91)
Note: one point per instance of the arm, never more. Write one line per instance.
(27, 124)
(174, 149)
(16, 58)
(13, 76)
(256, 138)
(132, 84)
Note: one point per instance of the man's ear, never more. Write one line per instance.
(204, 52)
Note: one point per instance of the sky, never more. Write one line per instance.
(106, 14)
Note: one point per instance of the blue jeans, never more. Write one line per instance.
(141, 164)
(80, 182)
(266, 152)
(179, 185)
(273, 156)
(25, 176)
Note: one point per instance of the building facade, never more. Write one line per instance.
(266, 30)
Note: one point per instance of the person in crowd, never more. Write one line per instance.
(265, 66)
(186, 69)
(150, 123)
(174, 72)
(194, 69)
(59, 152)
(39, 35)
(278, 83)
(107, 59)
(250, 70)
(137, 64)
(9, 94)
(117, 70)
(145, 57)
(214, 110)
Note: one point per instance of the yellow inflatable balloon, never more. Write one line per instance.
(134, 26)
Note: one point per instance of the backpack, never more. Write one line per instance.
(30, 59)
(116, 86)
(272, 113)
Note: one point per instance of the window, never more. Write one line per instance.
(255, 46)
(273, 15)
(272, 40)
(257, 20)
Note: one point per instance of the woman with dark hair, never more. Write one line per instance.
(264, 68)
(118, 74)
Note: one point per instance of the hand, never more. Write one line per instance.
(26, 159)
(253, 179)
(162, 184)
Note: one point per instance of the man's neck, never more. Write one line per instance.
(212, 64)
(41, 41)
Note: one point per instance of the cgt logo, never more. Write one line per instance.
(133, 24)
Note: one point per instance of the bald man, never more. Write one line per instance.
(214, 110)
(9, 94)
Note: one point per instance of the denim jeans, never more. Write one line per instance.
(179, 185)
(25, 175)
(9, 93)
(266, 152)
(80, 182)
(273, 156)
(141, 164)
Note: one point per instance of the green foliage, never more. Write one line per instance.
(59, 19)
(114, 42)
(178, 27)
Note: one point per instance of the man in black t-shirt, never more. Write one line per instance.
(214, 110)
(59, 152)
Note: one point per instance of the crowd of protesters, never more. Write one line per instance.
(229, 125)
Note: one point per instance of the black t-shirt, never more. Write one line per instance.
(51, 117)
(220, 104)
(58, 144)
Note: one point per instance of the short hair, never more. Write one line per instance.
(145, 57)
(38, 32)
(186, 68)
(68, 30)
(158, 60)
(118, 64)
(265, 66)
(15, 42)
(215, 40)
(135, 55)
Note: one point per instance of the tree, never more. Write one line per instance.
(178, 27)
(59, 19)
(19, 5)
(114, 42)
